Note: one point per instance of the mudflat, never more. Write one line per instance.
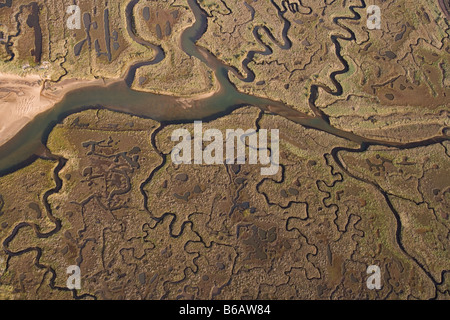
(24, 97)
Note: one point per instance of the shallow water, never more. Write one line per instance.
(118, 96)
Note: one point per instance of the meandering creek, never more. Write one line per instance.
(118, 96)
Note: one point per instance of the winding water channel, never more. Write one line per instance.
(118, 96)
(30, 142)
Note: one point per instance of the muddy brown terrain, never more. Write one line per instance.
(363, 120)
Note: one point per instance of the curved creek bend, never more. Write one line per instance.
(29, 142)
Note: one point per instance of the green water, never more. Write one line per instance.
(119, 97)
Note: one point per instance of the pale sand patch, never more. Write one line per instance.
(22, 98)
